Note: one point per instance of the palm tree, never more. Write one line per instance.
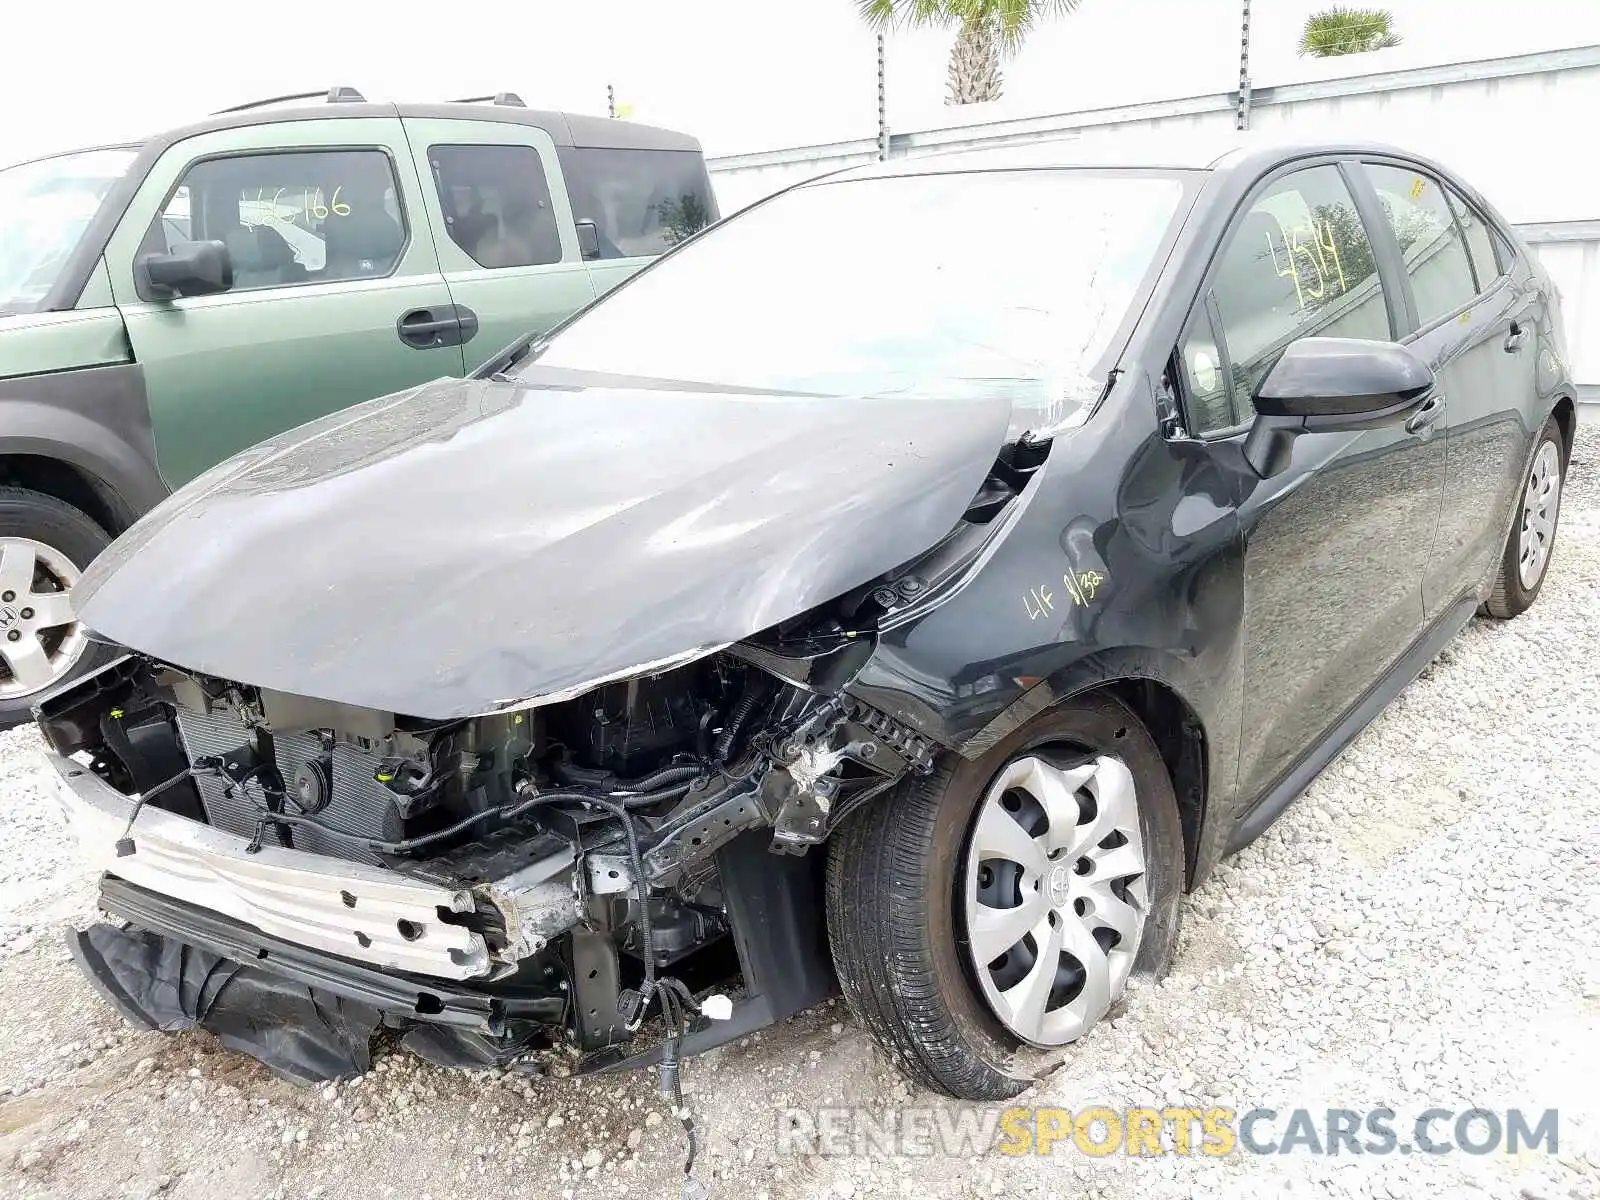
(1341, 30)
(987, 31)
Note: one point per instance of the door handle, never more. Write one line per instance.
(427, 328)
(1423, 420)
(1516, 337)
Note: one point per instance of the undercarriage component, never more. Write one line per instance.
(843, 755)
(157, 982)
(774, 907)
(596, 984)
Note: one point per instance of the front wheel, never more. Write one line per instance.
(1525, 560)
(44, 546)
(988, 914)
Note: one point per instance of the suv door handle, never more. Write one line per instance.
(428, 328)
(1423, 420)
(1516, 337)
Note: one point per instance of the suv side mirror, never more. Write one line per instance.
(189, 269)
(1329, 385)
(588, 240)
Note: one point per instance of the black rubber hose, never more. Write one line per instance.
(662, 778)
(729, 736)
(426, 839)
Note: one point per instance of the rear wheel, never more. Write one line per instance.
(1526, 557)
(44, 546)
(990, 913)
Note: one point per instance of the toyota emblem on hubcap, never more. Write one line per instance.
(1060, 886)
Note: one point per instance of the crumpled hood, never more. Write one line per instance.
(470, 545)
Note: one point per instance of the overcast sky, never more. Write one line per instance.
(740, 74)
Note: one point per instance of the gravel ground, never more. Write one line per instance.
(1418, 931)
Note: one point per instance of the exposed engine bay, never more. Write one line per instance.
(532, 875)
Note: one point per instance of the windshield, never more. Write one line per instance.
(45, 207)
(944, 285)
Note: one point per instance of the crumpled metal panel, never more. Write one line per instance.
(472, 545)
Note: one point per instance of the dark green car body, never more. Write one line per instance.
(371, 248)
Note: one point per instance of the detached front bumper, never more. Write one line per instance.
(349, 910)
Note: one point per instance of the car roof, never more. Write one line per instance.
(565, 129)
(1167, 152)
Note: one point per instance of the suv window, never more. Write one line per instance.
(290, 218)
(496, 204)
(1433, 245)
(643, 202)
(1297, 264)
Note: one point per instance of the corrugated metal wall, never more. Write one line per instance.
(1513, 126)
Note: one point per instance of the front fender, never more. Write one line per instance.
(96, 420)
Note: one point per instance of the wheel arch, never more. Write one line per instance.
(1180, 735)
(1566, 414)
(71, 484)
(84, 437)
(1194, 743)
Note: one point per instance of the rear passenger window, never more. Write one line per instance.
(1481, 243)
(496, 204)
(1431, 242)
(289, 217)
(1297, 264)
(643, 202)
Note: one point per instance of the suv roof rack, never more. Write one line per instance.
(504, 99)
(334, 95)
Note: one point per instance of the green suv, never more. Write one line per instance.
(167, 303)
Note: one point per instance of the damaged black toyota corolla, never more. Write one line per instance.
(922, 576)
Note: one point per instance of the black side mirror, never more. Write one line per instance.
(588, 240)
(1330, 385)
(189, 269)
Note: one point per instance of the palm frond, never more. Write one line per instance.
(1340, 30)
(883, 15)
(1010, 20)
(1013, 20)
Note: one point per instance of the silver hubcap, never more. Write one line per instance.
(1054, 895)
(1540, 504)
(40, 640)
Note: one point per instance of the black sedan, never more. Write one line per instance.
(919, 578)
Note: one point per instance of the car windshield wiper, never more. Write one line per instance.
(525, 351)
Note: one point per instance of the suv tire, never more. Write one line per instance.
(59, 537)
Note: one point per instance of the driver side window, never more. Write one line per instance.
(1297, 263)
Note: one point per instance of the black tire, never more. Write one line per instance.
(59, 525)
(892, 911)
(1509, 598)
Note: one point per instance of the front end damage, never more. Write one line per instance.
(550, 770)
(298, 874)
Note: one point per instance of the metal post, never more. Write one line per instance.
(1242, 116)
(883, 108)
(611, 101)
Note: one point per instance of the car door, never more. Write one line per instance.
(1335, 546)
(1474, 324)
(330, 250)
(507, 245)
